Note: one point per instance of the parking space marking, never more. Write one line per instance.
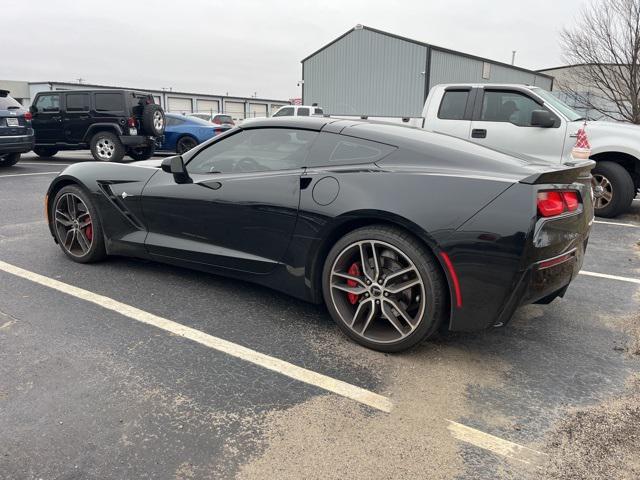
(610, 277)
(42, 163)
(618, 224)
(361, 395)
(495, 444)
(27, 174)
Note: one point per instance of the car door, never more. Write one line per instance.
(502, 120)
(47, 119)
(240, 209)
(76, 115)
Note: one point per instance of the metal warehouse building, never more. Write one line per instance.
(371, 72)
(172, 101)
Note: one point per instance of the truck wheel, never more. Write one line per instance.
(107, 147)
(9, 159)
(45, 152)
(142, 153)
(153, 119)
(613, 189)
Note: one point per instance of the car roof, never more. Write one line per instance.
(307, 123)
(484, 85)
(96, 90)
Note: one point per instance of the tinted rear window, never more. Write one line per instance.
(78, 102)
(454, 103)
(109, 102)
(6, 102)
(224, 118)
(335, 149)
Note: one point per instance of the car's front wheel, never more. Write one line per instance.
(185, 144)
(107, 147)
(77, 227)
(9, 159)
(613, 189)
(384, 289)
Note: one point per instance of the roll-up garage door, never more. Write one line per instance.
(235, 109)
(257, 110)
(179, 105)
(207, 106)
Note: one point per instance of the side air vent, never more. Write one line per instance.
(119, 204)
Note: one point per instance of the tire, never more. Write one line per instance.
(9, 159)
(614, 189)
(79, 235)
(142, 153)
(424, 304)
(107, 147)
(153, 120)
(184, 144)
(45, 152)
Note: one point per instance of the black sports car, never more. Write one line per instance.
(399, 231)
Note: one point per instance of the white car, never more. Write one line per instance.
(298, 111)
(217, 118)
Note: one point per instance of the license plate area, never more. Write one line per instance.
(12, 122)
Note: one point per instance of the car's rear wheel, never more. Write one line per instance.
(185, 144)
(613, 189)
(77, 226)
(45, 152)
(384, 289)
(107, 147)
(142, 153)
(9, 159)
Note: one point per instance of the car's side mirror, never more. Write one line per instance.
(33, 109)
(542, 118)
(175, 166)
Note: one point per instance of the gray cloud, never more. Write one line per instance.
(247, 46)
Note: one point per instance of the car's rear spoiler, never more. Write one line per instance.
(572, 171)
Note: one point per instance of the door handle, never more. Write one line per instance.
(479, 133)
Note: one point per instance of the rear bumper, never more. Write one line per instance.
(16, 143)
(137, 140)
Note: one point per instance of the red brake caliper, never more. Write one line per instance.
(354, 271)
(89, 231)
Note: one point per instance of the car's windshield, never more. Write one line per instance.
(563, 108)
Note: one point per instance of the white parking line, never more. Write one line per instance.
(324, 382)
(495, 444)
(610, 277)
(42, 163)
(617, 224)
(27, 174)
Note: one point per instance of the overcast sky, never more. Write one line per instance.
(247, 46)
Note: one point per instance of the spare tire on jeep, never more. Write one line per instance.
(153, 120)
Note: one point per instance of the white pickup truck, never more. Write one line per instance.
(531, 121)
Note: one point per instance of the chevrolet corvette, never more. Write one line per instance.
(399, 231)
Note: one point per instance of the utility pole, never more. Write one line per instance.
(80, 80)
(513, 57)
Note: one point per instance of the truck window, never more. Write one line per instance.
(78, 102)
(454, 103)
(303, 112)
(48, 103)
(284, 112)
(508, 106)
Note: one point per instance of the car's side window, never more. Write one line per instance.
(303, 112)
(284, 112)
(109, 102)
(336, 149)
(319, 111)
(255, 150)
(48, 103)
(508, 106)
(453, 105)
(78, 102)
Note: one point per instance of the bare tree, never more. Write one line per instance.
(605, 43)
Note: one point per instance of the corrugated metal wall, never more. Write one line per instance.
(451, 68)
(367, 73)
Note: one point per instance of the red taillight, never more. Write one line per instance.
(571, 200)
(131, 122)
(28, 116)
(556, 202)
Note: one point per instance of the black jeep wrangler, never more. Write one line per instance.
(111, 123)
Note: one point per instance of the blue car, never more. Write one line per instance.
(183, 133)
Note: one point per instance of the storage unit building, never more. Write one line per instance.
(371, 72)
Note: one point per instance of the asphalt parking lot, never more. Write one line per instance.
(88, 392)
